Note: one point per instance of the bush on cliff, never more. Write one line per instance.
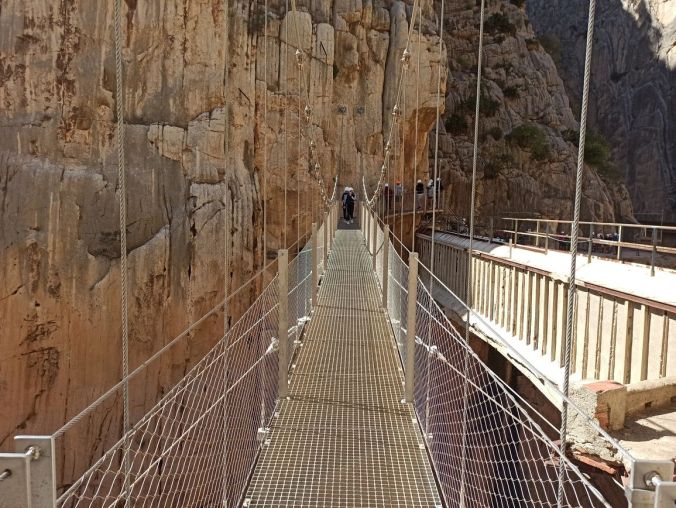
(532, 138)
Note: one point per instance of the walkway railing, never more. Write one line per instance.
(617, 336)
(489, 446)
(198, 444)
(638, 243)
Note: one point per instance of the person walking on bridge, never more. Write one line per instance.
(419, 194)
(346, 192)
(349, 199)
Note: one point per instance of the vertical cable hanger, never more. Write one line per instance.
(572, 288)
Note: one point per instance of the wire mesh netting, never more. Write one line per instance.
(197, 446)
(488, 445)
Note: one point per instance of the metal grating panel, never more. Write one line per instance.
(344, 438)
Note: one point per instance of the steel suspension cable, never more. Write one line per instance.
(226, 232)
(395, 110)
(402, 163)
(434, 203)
(284, 79)
(572, 290)
(417, 117)
(265, 137)
(470, 251)
(298, 161)
(122, 198)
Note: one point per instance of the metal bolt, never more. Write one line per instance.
(5, 474)
(652, 479)
(33, 452)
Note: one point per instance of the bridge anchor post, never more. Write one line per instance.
(325, 252)
(386, 258)
(650, 484)
(374, 242)
(283, 332)
(315, 268)
(410, 325)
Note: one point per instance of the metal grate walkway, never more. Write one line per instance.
(343, 437)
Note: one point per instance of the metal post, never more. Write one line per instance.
(516, 228)
(283, 345)
(547, 239)
(386, 256)
(510, 248)
(15, 480)
(315, 268)
(410, 325)
(653, 255)
(619, 242)
(42, 469)
(374, 241)
(537, 234)
(367, 231)
(589, 247)
(490, 239)
(326, 244)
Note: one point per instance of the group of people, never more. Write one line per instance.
(349, 199)
(424, 193)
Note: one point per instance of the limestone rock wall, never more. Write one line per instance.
(521, 86)
(633, 87)
(59, 238)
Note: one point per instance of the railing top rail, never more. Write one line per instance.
(640, 300)
(593, 223)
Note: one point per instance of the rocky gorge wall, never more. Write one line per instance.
(632, 90)
(527, 156)
(59, 237)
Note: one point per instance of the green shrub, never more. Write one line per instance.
(552, 45)
(496, 164)
(495, 133)
(499, 23)
(597, 151)
(532, 44)
(456, 124)
(512, 92)
(487, 107)
(532, 138)
(257, 22)
(464, 62)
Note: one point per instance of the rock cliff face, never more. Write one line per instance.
(59, 239)
(527, 156)
(633, 87)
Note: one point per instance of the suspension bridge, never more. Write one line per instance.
(345, 383)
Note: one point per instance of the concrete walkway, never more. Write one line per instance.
(343, 437)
